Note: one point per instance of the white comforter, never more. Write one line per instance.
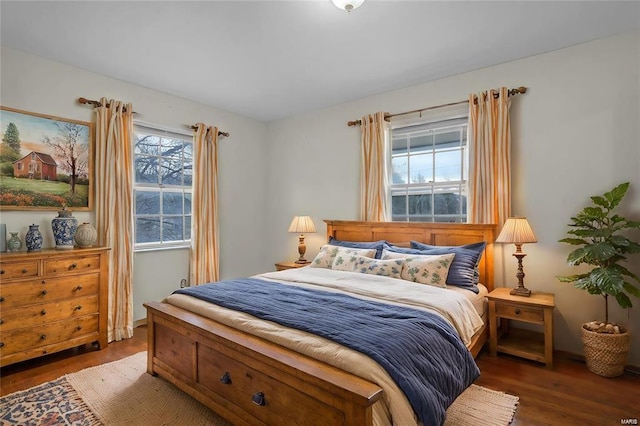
(394, 408)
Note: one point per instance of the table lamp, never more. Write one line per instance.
(516, 230)
(302, 225)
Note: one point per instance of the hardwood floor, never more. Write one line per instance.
(568, 394)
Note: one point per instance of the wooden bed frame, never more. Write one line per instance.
(251, 381)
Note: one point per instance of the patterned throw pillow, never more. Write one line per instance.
(424, 269)
(365, 265)
(328, 253)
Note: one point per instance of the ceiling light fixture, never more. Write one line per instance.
(347, 5)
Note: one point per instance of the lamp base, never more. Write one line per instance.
(302, 261)
(521, 291)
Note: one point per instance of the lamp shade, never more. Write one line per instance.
(302, 225)
(516, 230)
(347, 5)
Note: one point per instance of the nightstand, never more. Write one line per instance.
(290, 265)
(536, 309)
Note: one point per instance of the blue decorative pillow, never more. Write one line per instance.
(378, 245)
(464, 269)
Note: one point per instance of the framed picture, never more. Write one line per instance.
(46, 162)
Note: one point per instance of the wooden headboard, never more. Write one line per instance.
(437, 234)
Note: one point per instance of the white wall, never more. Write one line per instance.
(575, 134)
(34, 84)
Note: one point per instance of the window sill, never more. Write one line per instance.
(159, 248)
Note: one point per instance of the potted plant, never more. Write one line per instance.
(598, 230)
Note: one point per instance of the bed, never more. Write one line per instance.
(250, 377)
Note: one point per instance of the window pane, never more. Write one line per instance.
(147, 144)
(421, 168)
(146, 169)
(399, 169)
(172, 229)
(172, 203)
(171, 169)
(187, 227)
(399, 204)
(148, 229)
(421, 143)
(188, 151)
(448, 166)
(187, 203)
(420, 204)
(447, 202)
(188, 173)
(147, 202)
(171, 148)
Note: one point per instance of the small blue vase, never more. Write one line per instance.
(33, 238)
(64, 228)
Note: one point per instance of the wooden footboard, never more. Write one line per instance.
(250, 381)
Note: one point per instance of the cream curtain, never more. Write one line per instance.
(204, 228)
(373, 181)
(489, 158)
(114, 210)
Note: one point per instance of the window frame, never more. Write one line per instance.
(162, 188)
(437, 122)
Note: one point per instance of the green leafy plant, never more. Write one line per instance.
(598, 230)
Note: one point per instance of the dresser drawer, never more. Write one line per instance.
(254, 392)
(71, 264)
(47, 290)
(30, 315)
(23, 339)
(518, 312)
(13, 270)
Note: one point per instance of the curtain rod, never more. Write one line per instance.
(99, 104)
(85, 101)
(220, 132)
(387, 116)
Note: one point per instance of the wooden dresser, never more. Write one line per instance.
(52, 300)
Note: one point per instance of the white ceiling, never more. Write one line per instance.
(271, 59)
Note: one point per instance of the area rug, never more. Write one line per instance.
(121, 393)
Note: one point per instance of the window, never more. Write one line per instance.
(163, 164)
(429, 164)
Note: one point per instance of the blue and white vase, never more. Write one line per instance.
(64, 228)
(33, 238)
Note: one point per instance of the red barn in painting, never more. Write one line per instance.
(36, 165)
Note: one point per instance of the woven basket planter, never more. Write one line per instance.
(606, 354)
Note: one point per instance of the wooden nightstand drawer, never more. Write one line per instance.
(522, 313)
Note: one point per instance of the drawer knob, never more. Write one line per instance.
(44, 336)
(1, 344)
(24, 271)
(78, 307)
(43, 312)
(258, 398)
(517, 311)
(79, 288)
(1, 321)
(1, 298)
(44, 292)
(1, 271)
(73, 266)
(79, 327)
(226, 378)
(43, 282)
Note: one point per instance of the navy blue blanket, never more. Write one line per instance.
(418, 349)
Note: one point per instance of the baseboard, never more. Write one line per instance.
(139, 322)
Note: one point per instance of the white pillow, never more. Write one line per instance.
(328, 253)
(388, 268)
(427, 269)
